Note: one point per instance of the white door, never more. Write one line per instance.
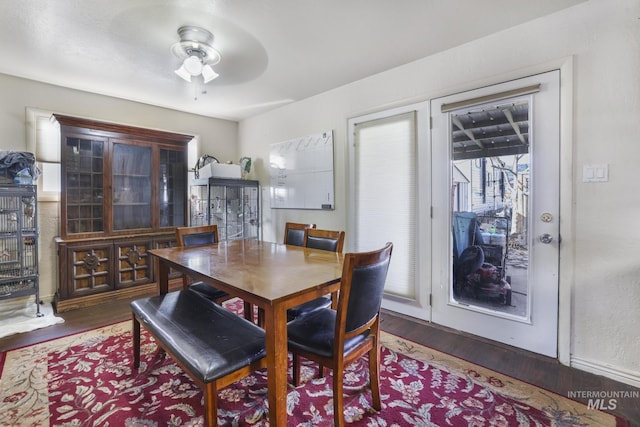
(495, 226)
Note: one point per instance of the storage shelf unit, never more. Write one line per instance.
(232, 204)
(123, 193)
(19, 243)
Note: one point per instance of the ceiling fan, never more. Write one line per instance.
(197, 53)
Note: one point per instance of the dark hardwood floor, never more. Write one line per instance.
(532, 368)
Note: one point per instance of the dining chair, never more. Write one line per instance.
(327, 240)
(337, 338)
(293, 236)
(294, 233)
(205, 235)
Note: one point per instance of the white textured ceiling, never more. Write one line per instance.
(273, 51)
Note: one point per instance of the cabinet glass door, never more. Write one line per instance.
(250, 212)
(218, 209)
(234, 209)
(172, 188)
(131, 187)
(83, 185)
(198, 202)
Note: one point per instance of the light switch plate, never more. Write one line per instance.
(595, 173)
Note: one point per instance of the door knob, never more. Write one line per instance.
(546, 238)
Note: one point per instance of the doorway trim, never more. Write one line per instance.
(567, 212)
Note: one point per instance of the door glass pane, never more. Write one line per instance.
(172, 188)
(131, 187)
(489, 191)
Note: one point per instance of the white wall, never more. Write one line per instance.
(598, 44)
(217, 137)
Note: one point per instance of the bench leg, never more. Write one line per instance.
(210, 405)
(136, 343)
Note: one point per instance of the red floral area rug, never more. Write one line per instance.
(87, 379)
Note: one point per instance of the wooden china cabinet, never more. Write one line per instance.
(123, 192)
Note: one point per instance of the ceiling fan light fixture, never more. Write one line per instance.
(193, 65)
(196, 53)
(183, 73)
(208, 74)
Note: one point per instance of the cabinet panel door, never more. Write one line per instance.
(91, 269)
(172, 188)
(131, 187)
(82, 185)
(133, 262)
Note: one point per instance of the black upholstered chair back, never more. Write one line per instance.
(326, 240)
(295, 237)
(294, 233)
(365, 295)
(203, 238)
(199, 235)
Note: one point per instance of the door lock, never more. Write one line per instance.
(546, 217)
(546, 238)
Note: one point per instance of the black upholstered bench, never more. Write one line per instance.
(214, 346)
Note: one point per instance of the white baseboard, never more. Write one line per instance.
(622, 375)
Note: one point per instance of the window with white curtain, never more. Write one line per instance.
(43, 140)
(384, 203)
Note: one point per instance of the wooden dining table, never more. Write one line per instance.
(271, 276)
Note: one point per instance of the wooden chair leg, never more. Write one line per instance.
(338, 397)
(260, 317)
(211, 405)
(248, 311)
(320, 370)
(136, 343)
(296, 370)
(374, 377)
(334, 300)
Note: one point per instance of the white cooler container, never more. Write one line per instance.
(219, 170)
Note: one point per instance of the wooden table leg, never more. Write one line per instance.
(277, 364)
(163, 277)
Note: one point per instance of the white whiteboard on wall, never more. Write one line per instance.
(301, 172)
